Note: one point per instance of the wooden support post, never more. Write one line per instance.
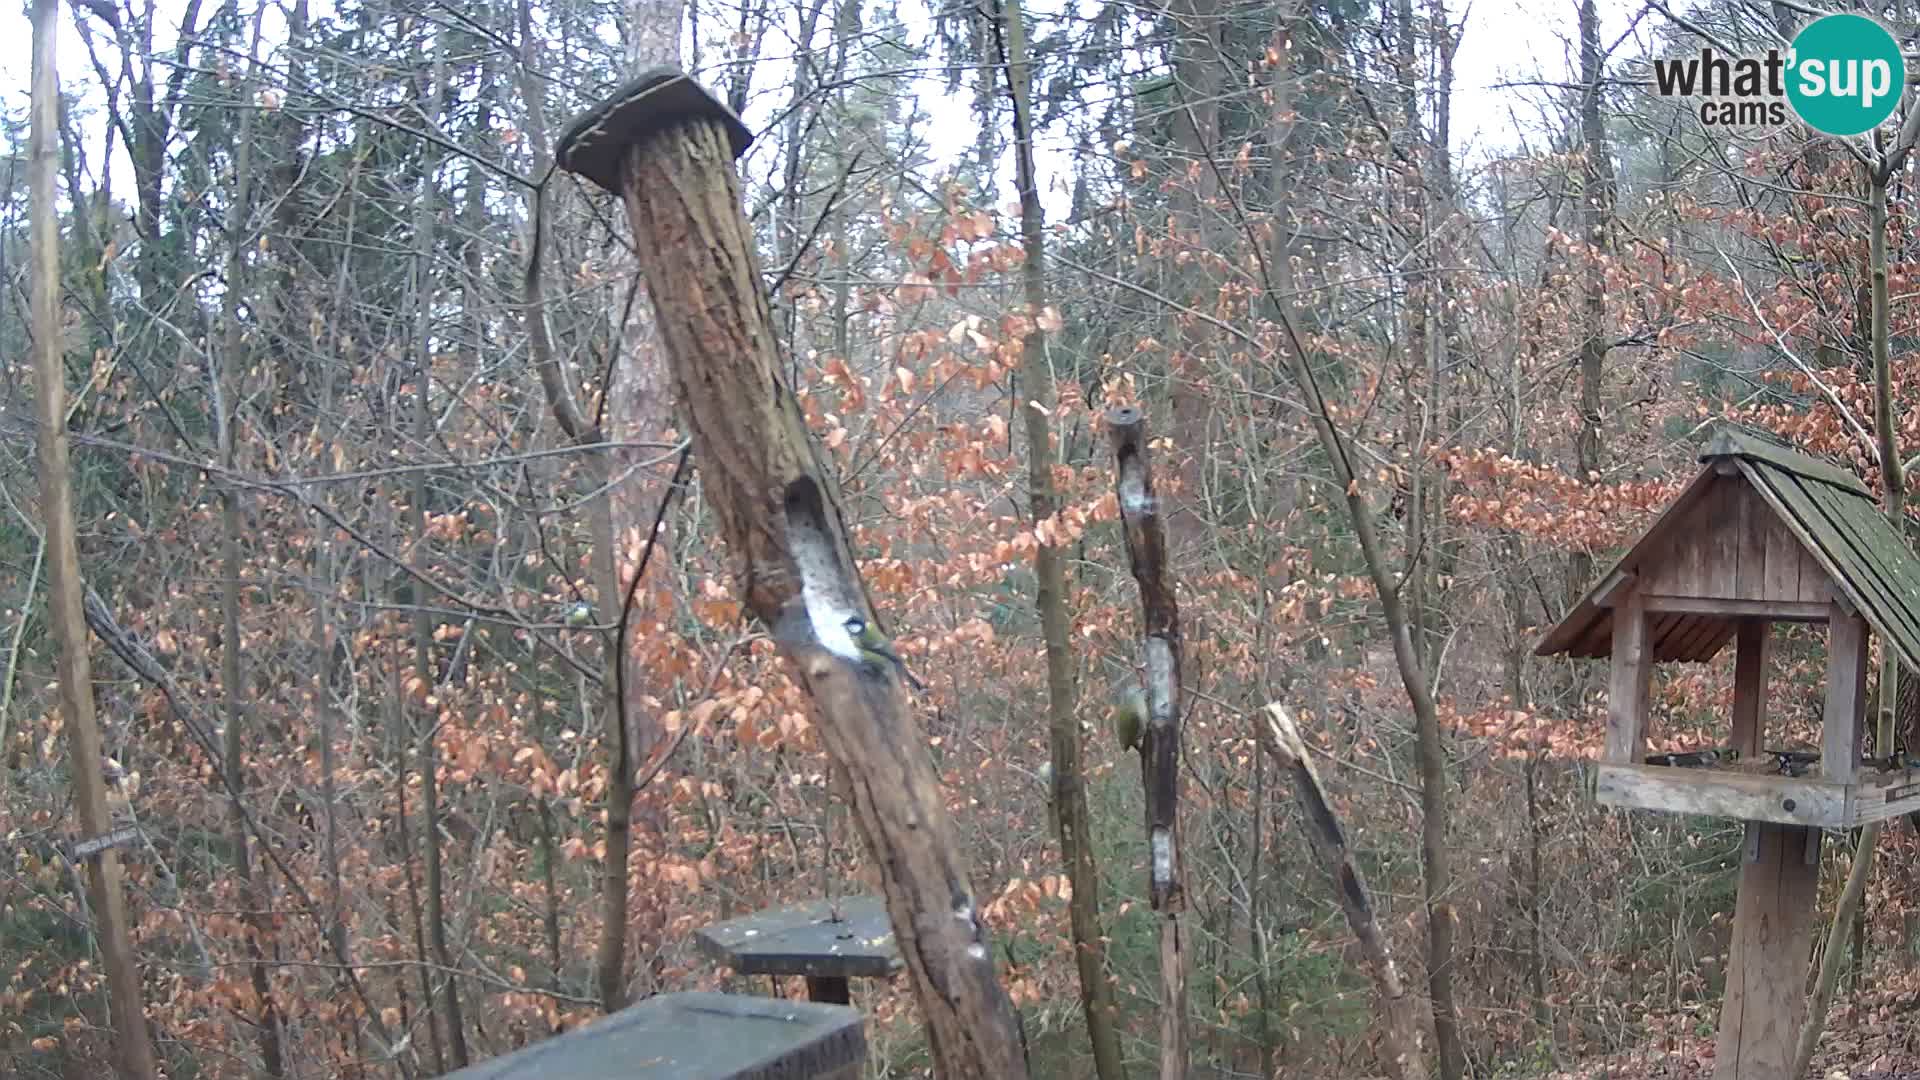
(829, 989)
(1631, 678)
(1160, 752)
(667, 147)
(1841, 726)
(1750, 687)
(1772, 942)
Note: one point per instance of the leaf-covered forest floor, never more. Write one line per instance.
(1871, 1035)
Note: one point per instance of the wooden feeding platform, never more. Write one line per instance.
(827, 941)
(696, 1036)
(1763, 534)
(1761, 791)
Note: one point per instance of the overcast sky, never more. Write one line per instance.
(1505, 41)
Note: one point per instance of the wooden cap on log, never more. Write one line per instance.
(596, 142)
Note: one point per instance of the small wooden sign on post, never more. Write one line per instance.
(86, 849)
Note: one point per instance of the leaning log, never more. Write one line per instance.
(666, 147)
(1399, 1017)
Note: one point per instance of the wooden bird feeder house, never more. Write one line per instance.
(1761, 535)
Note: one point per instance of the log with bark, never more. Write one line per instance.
(1399, 1015)
(666, 147)
(1160, 747)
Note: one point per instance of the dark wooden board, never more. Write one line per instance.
(804, 939)
(598, 140)
(695, 1036)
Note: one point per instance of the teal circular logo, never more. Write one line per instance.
(1845, 74)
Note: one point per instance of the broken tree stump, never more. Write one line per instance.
(1399, 1016)
(667, 147)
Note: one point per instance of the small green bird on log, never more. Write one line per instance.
(877, 651)
(1129, 718)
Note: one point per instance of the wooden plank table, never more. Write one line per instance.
(828, 941)
(696, 1036)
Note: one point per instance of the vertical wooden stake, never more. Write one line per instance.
(1160, 754)
(1841, 725)
(1750, 687)
(1631, 677)
(1772, 940)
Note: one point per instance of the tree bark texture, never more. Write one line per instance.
(1199, 66)
(683, 200)
(1140, 518)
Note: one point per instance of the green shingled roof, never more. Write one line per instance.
(1835, 515)
(1831, 512)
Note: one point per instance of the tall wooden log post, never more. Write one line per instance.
(1160, 749)
(666, 146)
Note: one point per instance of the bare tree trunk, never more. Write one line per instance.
(1197, 68)
(1436, 866)
(403, 835)
(1417, 363)
(1256, 921)
(1596, 210)
(1050, 598)
(1160, 647)
(427, 743)
(550, 917)
(653, 37)
(1399, 1018)
(64, 586)
(640, 410)
(226, 390)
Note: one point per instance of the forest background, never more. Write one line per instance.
(342, 475)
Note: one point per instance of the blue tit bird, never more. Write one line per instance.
(1129, 718)
(877, 651)
(579, 615)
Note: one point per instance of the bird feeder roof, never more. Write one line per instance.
(1830, 513)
